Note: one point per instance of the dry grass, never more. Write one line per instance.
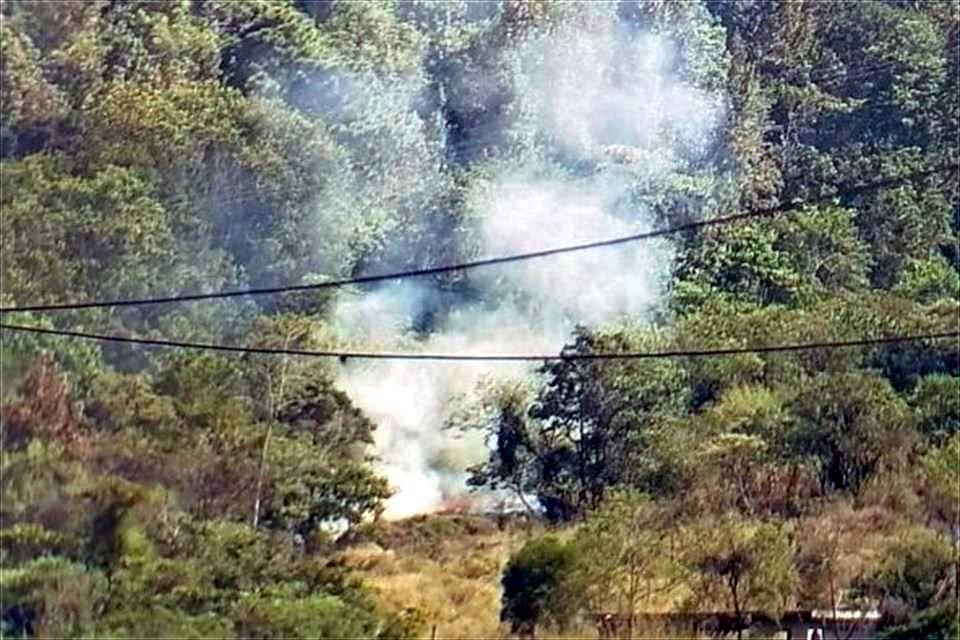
(446, 566)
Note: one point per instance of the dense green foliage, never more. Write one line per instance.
(536, 584)
(157, 148)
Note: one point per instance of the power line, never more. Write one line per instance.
(386, 355)
(484, 262)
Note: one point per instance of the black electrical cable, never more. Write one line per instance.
(484, 262)
(385, 355)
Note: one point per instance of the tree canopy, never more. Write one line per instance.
(155, 149)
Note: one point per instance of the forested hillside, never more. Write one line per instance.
(749, 403)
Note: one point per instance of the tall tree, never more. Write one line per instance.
(628, 560)
(748, 567)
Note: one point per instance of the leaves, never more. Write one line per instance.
(748, 567)
(537, 585)
(626, 555)
(158, 148)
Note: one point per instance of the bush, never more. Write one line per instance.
(312, 618)
(538, 585)
(942, 623)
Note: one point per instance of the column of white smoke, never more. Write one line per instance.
(597, 92)
(410, 401)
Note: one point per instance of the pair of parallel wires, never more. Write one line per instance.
(765, 212)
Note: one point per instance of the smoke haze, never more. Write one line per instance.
(609, 100)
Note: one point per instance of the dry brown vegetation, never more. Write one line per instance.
(446, 566)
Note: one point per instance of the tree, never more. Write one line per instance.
(627, 557)
(31, 104)
(50, 597)
(835, 550)
(748, 567)
(319, 616)
(169, 623)
(851, 425)
(45, 406)
(936, 399)
(592, 426)
(942, 468)
(313, 450)
(941, 623)
(737, 460)
(155, 148)
(816, 253)
(804, 89)
(103, 235)
(311, 488)
(927, 280)
(911, 574)
(537, 586)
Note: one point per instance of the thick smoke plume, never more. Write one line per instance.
(603, 97)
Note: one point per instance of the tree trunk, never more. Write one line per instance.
(261, 471)
(956, 555)
(738, 619)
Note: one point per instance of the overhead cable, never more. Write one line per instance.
(483, 262)
(495, 357)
